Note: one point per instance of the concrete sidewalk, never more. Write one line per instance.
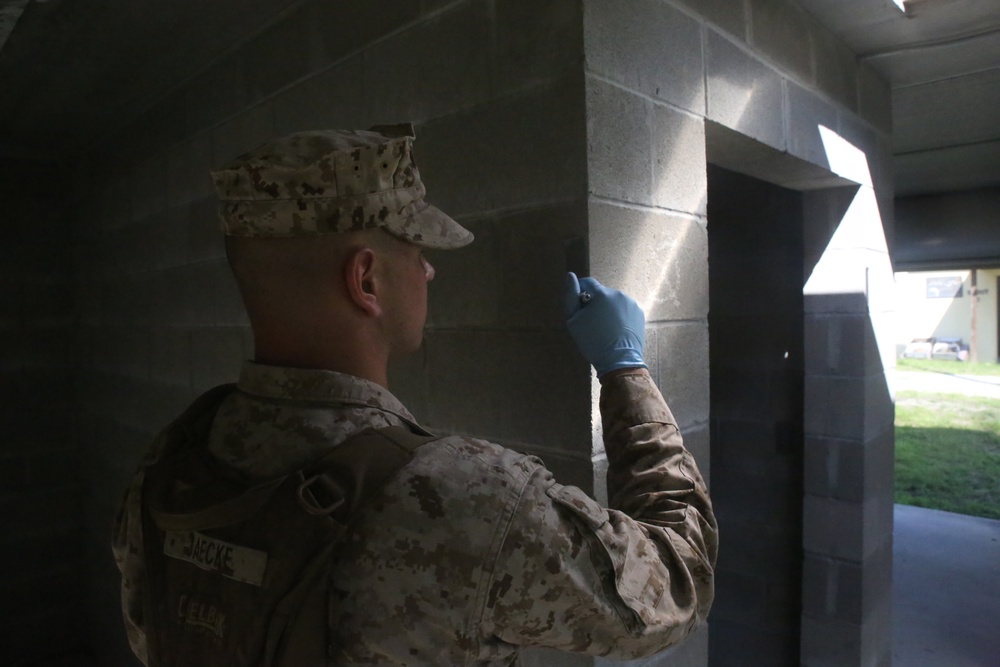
(946, 589)
(947, 383)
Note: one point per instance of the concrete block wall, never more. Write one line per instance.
(565, 134)
(41, 582)
(848, 505)
(761, 88)
(496, 92)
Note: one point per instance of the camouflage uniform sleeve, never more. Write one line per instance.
(623, 582)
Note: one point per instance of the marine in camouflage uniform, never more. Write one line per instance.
(472, 550)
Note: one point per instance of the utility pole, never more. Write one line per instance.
(974, 293)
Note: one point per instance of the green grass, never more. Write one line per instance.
(948, 453)
(944, 366)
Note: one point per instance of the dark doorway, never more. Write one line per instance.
(755, 242)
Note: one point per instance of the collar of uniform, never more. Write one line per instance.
(317, 386)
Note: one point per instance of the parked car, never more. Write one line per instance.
(919, 348)
(950, 348)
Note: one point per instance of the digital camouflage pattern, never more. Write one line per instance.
(333, 181)
(474, 550)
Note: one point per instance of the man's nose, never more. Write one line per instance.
(428, 270)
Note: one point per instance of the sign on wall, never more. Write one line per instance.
(948, 287)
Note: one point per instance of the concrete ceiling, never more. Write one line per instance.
(71, 69)
(942, 58)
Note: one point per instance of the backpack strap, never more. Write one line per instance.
(336, 485)
(355, 470)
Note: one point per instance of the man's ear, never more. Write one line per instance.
(360, 279)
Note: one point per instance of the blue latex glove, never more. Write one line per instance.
(609, 328)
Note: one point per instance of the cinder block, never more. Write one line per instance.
(823, 211)
(845, 530)
(739, 394)
(836, 67)
(744, 94)
(619, 147)
(858, 133)
(228, 305)
(835, 406)
(884, 182)
(745, 444)
(730, 644)
(216, 355)
(806, 113)
(54, 468)
(165, 242)
(835, 468)
(466, 290)
(543, 243)
(780, 31)
(874, 98)
(741, 598)
(10, 307)
(679, 167)
(659, 259)
(12, 344)
(845, 591)
(646, 46)
(682, 352)
(477, 286)
(188, 166)
(179, 296)
(205, 234)
(45, 303)
(47, 347)
(216, 93)
(536, 41)
(169, 356)
(147, 189)
(280, 54)
(242, 133)
(880, 410)
(514, 153)
(834, 303)
(842, 345)
(489, 384)
(433, 68)
(342, 28)
(114, 207)
(830, 643)
(332, 99)
(723, 14)
(13, 479)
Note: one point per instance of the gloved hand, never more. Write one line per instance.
(608, 327)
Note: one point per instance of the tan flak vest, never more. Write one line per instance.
(237, 573)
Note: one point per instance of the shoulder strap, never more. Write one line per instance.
(355, 470)
(338, 484)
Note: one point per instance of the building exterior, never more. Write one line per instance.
(950, 304)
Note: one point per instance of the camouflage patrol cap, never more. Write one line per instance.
(332, 181)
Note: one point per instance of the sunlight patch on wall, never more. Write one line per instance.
(856, 260)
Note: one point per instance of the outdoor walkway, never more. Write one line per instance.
(946, 589)
(948, 383)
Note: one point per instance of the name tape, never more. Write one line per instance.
(230, 560)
